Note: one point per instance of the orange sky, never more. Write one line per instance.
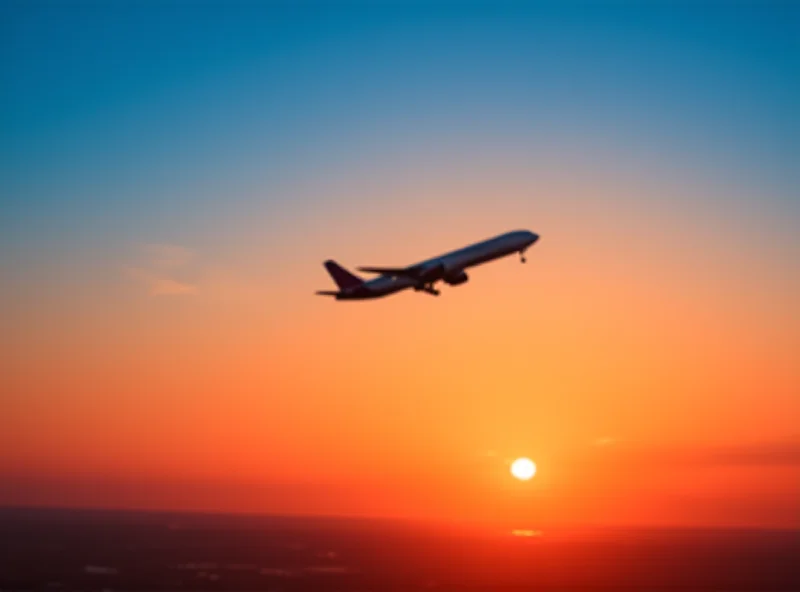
(644, 358)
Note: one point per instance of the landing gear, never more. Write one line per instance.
(522, 256)
(428, 288)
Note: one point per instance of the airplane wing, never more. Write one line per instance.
(419, 273)
(401, 271)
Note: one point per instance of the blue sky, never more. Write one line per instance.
(128, 118)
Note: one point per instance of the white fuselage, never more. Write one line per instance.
(453, 262)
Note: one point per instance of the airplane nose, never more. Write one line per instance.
(534, 237)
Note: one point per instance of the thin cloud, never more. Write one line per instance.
(783, 453)
(166, 287)
(167, 256)
(765, 454)
(158, 268)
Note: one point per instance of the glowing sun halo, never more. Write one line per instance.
(523, 469)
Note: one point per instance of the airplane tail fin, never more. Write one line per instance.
(343, 278)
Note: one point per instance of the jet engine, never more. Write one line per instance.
(456, 278)
(432, 273)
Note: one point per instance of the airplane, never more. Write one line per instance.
(422, 276)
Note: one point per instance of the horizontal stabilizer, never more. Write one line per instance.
(326, 293)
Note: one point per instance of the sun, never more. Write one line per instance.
(523, 469)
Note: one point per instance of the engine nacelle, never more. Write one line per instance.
(456, 278)
(432, 273)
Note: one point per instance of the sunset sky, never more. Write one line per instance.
(174, 175)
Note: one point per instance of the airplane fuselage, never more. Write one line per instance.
(448, 267)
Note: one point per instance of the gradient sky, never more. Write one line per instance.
(174, 174)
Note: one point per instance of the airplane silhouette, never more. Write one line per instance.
(449, 268)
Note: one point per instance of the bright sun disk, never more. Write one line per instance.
(523, 469)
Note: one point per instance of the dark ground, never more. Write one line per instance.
(105, 550)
